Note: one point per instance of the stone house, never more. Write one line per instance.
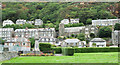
(7, 22)
(97, 42)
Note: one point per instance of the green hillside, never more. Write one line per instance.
(55, 12)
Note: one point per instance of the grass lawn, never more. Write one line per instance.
(110, 57)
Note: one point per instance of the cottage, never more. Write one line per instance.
(72, 43)
(20, 21)
(105, 22)
(65, 21)
(7, 22)
(97, 42)
(38, 22)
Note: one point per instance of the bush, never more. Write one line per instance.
(89, 50)
(45, 46)
(53, 45)
(57, 50)
(68, 51)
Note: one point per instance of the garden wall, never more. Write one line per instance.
(7, 55)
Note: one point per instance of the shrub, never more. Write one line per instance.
(57, 50)
(89, 50)
(68, 51)
(45, 46)
(53, 45)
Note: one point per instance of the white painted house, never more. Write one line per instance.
(65, 21)
(20, 21)
(18, 44)
(105, 22)
(6, 33)
(97, 42)
(72, 43)
(7, 22)
(30, 22)
(38, 22)
(72, 21)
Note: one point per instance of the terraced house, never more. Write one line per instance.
(6, 33)
(105, 22)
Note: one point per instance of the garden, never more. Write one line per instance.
(69, 55)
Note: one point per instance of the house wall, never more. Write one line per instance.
(97, 43)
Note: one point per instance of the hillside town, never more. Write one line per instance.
(14, 38)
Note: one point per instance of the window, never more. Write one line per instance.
(23, 43)
(97, 45)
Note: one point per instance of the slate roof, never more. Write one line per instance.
(97, 40)
(74, 29)
(72, 40)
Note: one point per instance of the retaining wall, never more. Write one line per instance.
(7, 55)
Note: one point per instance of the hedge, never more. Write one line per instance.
(89, 49)
(96, 49)
(57, 50)
(45, 46)
(68, 51)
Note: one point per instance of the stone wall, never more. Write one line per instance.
(7, 55)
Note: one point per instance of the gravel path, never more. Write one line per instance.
(58, 55)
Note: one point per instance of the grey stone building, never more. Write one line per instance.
(116, 37)
(76, 30)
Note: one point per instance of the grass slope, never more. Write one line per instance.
(77, 58)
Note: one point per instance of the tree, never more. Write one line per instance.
(89, 21)
(94, 44)
(117, 26)
(92, 35)
(81, 36)
(104, 32)
(32, 40)
(2, 41)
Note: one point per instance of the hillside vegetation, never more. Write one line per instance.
(55, 12)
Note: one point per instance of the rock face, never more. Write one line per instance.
(7, 55)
